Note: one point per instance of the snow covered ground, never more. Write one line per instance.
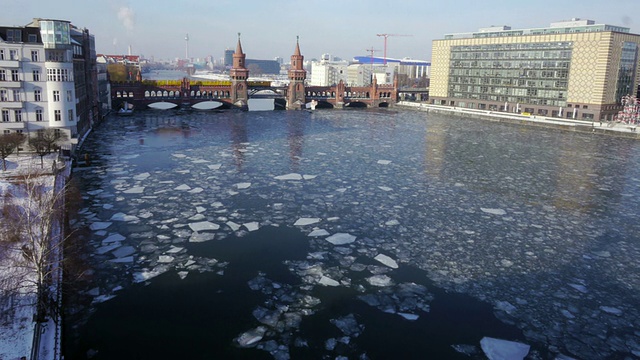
(16, 321)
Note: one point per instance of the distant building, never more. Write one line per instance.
(572, 69)
(327, 71)
(384, 74)
(259, 67)
(228, 57)
(47, 78)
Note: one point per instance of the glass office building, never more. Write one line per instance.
(572, 69)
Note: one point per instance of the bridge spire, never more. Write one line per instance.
(239, 75)
(297, 74)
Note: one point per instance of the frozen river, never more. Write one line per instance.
(361, 234)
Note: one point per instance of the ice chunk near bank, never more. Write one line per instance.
(135, 190)
(341, 239)
(309, 177)
(292, 176)
(493, 211)
(251, 337)
(203, 226)
(498, 349)
(384, 162)
(124, 251)
(233, 226)
(123, 217)
(100, 225)
(215, 166)
(306, 221)
(385, 260)
(183, 187)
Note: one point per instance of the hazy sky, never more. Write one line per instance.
(269, 27)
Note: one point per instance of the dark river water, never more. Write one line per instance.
(354, 234)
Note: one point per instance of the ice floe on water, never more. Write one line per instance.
(341, 238)
(498, 349)
(306, 221)
(543, 254)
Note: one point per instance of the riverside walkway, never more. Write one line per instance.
(608, 128)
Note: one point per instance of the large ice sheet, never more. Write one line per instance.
(306, 221)
(498, 349)
(203, 226)
(341, 239)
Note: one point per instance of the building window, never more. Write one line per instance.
(34, 55)
(3, 75)
(71, 115)
(57, 115)
(56, 95)
(6, 132)
(69, 95)
(3, 95)
(15, 75)
(13, 54)
(5, 115)
(39, 116)
(33, 38)
(36, 75)
(16, 95)
(1, 54)
(14, 35)
(18, 115)
(37, 95)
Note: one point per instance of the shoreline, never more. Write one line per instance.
(593, 127)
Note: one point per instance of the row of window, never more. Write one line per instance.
(37, 95)
(18, 115)
(518, 64)
(39, 132)
(13, 55)
(54, 75)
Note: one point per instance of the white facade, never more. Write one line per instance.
(358, 75)
(37, 89)
(327, 73)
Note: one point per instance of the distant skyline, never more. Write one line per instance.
(269, 27)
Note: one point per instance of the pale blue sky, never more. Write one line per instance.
(269, 27)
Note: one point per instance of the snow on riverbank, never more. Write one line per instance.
(16, 315)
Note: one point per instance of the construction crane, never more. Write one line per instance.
(385, 43)
(371, 51)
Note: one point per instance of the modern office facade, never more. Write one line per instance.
(47, 78)
(572, 69)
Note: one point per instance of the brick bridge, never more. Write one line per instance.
(186, 93)
(236, 92)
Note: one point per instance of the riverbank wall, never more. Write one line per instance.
(604, 128)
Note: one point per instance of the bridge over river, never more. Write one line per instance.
(217, 94)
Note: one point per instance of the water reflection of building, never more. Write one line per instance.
(295, 138)
(435, 148)
(239, 141)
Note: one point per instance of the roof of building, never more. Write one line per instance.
(574, 25)
(379, 60)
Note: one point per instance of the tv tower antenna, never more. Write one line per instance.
(186, 52)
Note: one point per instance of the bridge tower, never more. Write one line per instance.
(239, 75)
(297, 75)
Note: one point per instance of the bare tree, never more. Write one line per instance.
(32, 242)
(46, 142)
(6, 149)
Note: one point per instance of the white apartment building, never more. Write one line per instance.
(37, 89)
(327, 71)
